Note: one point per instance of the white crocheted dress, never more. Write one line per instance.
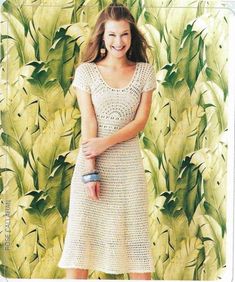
(111, 234)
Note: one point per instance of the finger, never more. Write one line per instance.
(86, 153)
(95, 194)
(89, 192)
(98, 190)
(92, 193)
(89, 156)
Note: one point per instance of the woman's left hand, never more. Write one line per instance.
(94, 147)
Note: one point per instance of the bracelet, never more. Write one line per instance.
(90, 177)
(92, 171)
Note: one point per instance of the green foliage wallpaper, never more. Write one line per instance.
(184, 144)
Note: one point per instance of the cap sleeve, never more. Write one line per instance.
(150, 78)
(81, 78)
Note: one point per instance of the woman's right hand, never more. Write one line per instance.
(93, 190)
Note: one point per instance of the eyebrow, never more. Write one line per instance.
(114, 32)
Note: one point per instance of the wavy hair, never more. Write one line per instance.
(116, 11)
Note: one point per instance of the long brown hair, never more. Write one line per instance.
(116, 11)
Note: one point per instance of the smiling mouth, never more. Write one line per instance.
(118, 49)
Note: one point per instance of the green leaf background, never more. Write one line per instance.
(184, 144)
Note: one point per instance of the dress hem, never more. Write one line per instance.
(94, 268)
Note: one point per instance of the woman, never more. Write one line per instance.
(107, 226)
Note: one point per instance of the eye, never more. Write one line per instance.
(125, 34)
(111, 34)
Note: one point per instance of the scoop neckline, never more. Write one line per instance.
(115, 88)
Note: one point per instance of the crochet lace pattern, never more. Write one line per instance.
(112, 233)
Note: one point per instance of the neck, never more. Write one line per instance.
(116, 62)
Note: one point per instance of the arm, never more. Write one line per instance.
(88, 121)
(89, 130)
(132, 129)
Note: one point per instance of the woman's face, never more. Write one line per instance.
(117, 37)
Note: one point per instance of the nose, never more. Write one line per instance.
(118, 40)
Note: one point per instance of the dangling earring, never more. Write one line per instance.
(102, 49)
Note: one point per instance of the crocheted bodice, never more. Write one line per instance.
(114, 107)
